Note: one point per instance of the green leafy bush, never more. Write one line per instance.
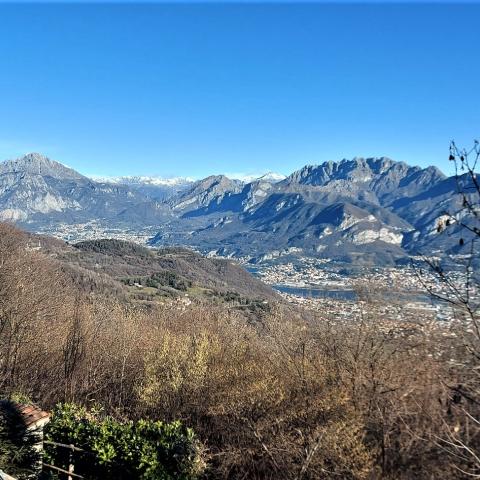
(147, 450)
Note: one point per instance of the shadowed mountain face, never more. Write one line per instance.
(367, 210)
(205, 194)
(372, 210)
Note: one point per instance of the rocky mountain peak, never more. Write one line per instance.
(201, 193)
(38, 164)
(360, 170)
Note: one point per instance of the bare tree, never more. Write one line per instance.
(30, 296)
(459, 279)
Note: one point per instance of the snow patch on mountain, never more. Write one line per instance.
(143, 179)
(272, 177)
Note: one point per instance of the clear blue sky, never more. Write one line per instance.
(196, 89)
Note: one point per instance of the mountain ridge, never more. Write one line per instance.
(331, 210)
(38, 164)
(281, 221)
(35, 190)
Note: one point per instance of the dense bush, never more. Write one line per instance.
(267, 407)
(170, 279)
(115, 246)
(147, 450)
(164, 278)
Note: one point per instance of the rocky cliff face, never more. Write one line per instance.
(36, 164)
(35, 189)
(206, 193)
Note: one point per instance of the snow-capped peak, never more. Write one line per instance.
(144, 180)
(272, 177)
(252, 177)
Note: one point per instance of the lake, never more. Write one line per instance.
(313, 292)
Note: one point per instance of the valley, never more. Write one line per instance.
(365, 211)
(339, 290)
(315, 236)
(250, 317)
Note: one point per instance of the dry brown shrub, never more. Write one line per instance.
(280, 398)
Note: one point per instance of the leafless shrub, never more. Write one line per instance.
(283, 397)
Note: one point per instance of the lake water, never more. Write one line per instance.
(312, 292)
(350, 295)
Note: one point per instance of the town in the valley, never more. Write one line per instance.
(336, 290)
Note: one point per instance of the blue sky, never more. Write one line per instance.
(195, 89)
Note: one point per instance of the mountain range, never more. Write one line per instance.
(157, 188)
(363, 210)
